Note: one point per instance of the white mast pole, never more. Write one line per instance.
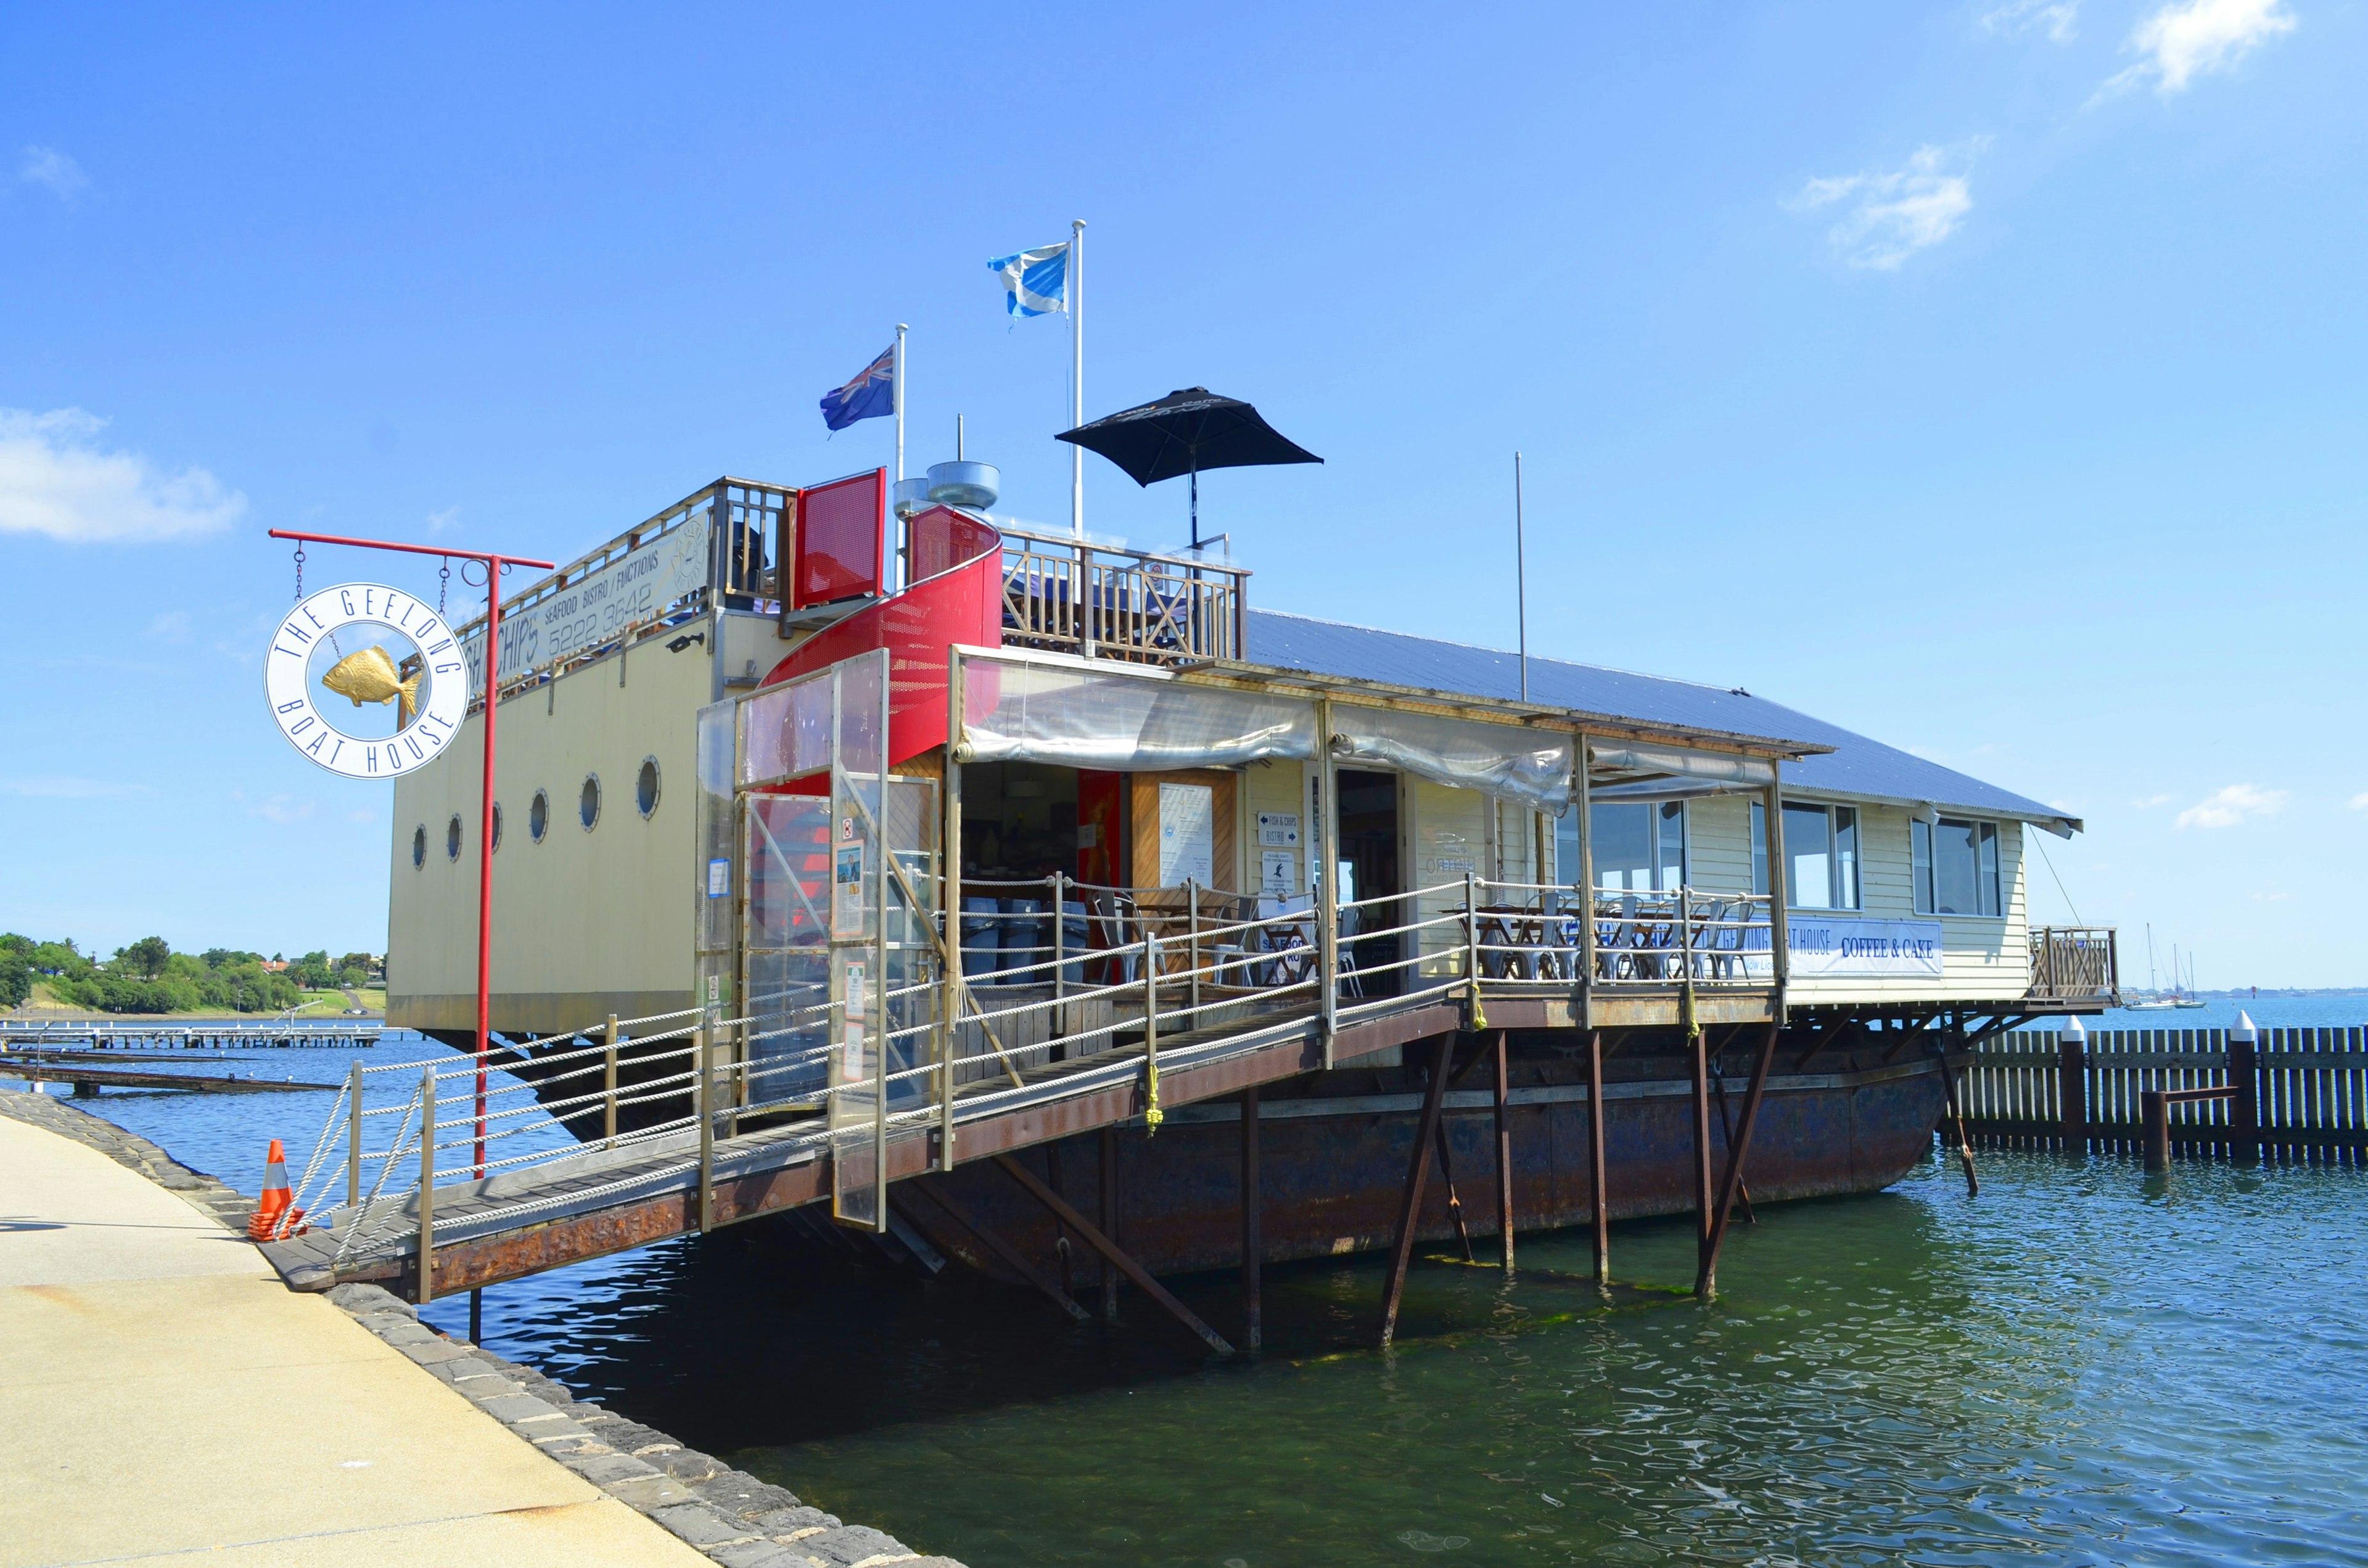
(900, 330)
(1077, 373)
(1521, 577)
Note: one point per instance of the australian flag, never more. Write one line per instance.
(870, 395)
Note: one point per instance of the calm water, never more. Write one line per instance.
(2082, 1366)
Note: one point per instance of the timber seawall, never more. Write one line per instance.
(721, 1514)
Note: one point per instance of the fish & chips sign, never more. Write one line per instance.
(425, 684)
(599, 607)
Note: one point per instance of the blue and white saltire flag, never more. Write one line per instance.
(1035, 282)
(870, 395)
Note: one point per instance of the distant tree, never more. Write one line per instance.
(15, 977)
(362, 961)
(144, 957)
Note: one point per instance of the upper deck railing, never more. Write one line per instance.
(723, 539)
(1108, 601)
(2075, 963)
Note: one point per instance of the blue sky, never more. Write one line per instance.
(1985, 376)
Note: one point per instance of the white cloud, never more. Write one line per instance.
(172, 625)
(2360, 802)
(2151, 802)
(438, 521)
(60, 787)
(2193, 38)
(55, 480)
(2228, 807)
(2054, 18)
(1891, 216)
(282, 808)
(47, 165)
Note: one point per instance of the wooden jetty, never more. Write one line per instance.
(202, 1034)
(88, 1081)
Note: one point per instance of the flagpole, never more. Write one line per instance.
(1077, 373)
(899, 394)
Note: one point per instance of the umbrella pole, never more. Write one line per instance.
(1196, 501)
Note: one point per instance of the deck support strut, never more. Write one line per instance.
(1417, 1169)
(1504, 1160)
(1011, 1256)
(1737, 1146)
(1598, 1202)
(1253, 1239)
(1103, 1244)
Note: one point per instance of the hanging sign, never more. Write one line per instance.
(358, 647)
(601, 605)
(1865, 949)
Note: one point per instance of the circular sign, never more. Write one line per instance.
(381, 665)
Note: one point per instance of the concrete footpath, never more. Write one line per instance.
(162, 1392)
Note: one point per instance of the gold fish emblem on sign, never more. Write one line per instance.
(372, 675)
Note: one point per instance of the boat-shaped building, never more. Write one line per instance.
(938, 843)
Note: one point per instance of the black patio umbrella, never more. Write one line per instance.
(1183, 433)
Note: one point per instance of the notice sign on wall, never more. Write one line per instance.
(1824, 948)
(1188, 835)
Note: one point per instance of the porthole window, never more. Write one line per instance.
(419, 846)
(645, 787)
(497, 827)
(588, 804)
(453, 837)
(538, 815)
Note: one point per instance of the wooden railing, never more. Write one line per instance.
(1077, 596)
(2075, 963)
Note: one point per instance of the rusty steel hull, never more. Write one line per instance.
(1331, 1182)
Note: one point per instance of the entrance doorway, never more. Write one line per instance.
(1369, 868)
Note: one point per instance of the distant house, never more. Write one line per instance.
(273, 966)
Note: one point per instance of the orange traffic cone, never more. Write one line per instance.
(274, 1220)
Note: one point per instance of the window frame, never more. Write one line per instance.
(591, 788)
(1659, 815)
(1839, 869)
(1989, 866)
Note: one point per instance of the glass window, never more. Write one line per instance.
(453, 837)
(419, 846)
(1638, 846)
(1920, 855)
(1959, 874)
(587, 804)
(1821, 860)
(538, 815)
(645, 787)
(497, 827)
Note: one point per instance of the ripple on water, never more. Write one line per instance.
(2082, 1366)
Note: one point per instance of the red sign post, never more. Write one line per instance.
(492, 564)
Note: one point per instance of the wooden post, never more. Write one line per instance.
(608, 1082)
(1698, 1063)
(1152, 1116)
(2245, 1106)
(1109, 1174)
(1585, 879)
(2154, 1113)
(1060, 954)
(1598, 1202)
(426, 1185)
(1504, 1162)
(1326, 846)
(354, 1148)
(1192, 951)
(2072, 1091)
(1410, 1205)
(1253, 1237)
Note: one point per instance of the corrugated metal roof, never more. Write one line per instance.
(1856, 766)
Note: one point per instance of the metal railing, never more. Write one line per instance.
(1110, 982)
(1105, 601)
(2075, 963)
